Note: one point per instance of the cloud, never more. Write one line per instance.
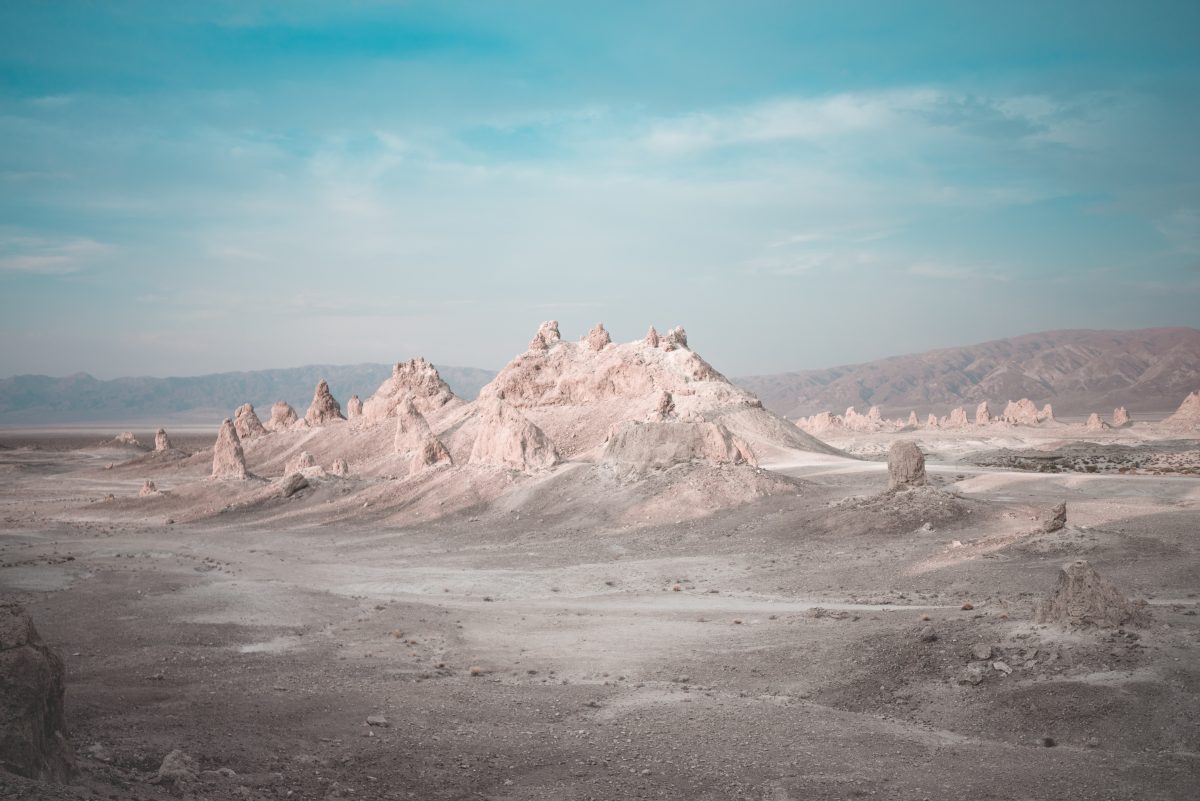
(41, 256)
(954, 272)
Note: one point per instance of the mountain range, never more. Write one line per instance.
(1148, 371)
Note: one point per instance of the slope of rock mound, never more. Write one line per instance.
(283, 416)
(229, 461)
(1084, 598)
(506, 438)
(415, 378)
(1187, 416)
(324, 408)
(246, 421)
(638, 447)
(32, 685)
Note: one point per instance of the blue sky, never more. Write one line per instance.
(189, 188)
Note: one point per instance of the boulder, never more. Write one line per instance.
(1084, 598)
(283, 416)
(229, 461)
(1056, 520)
(645, 447)
(430, 453)
(339, 468)
(506, 438)
(416, 379)
(246, 421)
(33, 743)
(906, 465)
(161, 441)
(148, 488)
(291, 483)
(354, 408)
(598, 338)
(983, 415)
(1120, 417)
(411, 427)
(324, 409)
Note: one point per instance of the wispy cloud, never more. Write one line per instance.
(43, 256)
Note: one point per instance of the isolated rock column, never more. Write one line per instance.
(906, 465)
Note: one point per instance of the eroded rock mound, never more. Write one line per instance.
(32, 683)
(1084, 598)
(1021, 413)
(547, 334)
(956, 419)
(354, 408)
(506, 438)
(598, 338)
(906, 465)
(229, 461)
(416, 379)
(412, 429)
(246, 421)
(1120, 417)
(1094, 423)
(931, 421)
(652, 337)
(913, 420)
(983, 415)
(283, 416)
(675, 338)
(1187, 416)
(643, 447)
(324, 408)
(161, 441)
(1046, 415)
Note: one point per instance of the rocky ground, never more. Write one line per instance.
(832, 642)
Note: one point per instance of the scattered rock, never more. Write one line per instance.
(33, 743)
(229, 462)
(906, 465)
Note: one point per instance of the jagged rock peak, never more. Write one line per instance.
(283, 416)
(246, 421)
(324, 408)
(1046, 415)
(415, 378)
(598, 338)
(675, 338)
(229, 462)
(506, 438)
(652, 337)
(547, 334)
(906, 465)
(956, 419)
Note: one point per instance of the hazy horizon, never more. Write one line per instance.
(191, 190)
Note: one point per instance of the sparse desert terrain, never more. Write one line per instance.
(614, 576)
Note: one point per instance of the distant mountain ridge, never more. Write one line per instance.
(1077, 371)
(80, 398)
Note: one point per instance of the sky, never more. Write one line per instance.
(189, 188)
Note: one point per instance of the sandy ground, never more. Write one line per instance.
(772, 651)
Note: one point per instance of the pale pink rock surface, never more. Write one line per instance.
(354, 408)
(412, 429)
(1022, 413)
(931, 421)
(324, 408)
(1120, 417)
(652, 338)
(506, 438)
(1094, 423)
(246, 421)
(545, 338)
(300, 462)
(913, 421)
(1046, 415)
(1187, 415)
(675, 338)
(416, 379)
(430, 453)
(642, 447)
(983, 415)
(229, 462)
(283, 416)
(956, 419)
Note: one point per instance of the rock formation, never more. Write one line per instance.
(983, 415)
(161, 441)
(1084, 598)
(283, 416)
(913, 421)
(643, 447)
(417, 379)
(931, 421)
(1056, 520)
(354, 408)
(1187, 416)
(431, 453)
(1094, 423)
(675, 338)
(664, 407)
(652, 337)
(411, 427)
(291, 483)
(339, 468)
(1046, 415)
(547, 334)
(300, 462)
(598, 338)
(229, 462)
(956, 419)
(906, 465)
(148, 488)
(505, 438)
(1022, 413)
(324, 408)
(32, 684)
(1120, 417)
(246, 421)
(871, 421)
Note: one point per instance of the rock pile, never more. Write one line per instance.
(283, 416)
(246, 421)
(229, 462)
(506, 438)
(32, 685)
(906, 465)
(324, 409)
(1084, 598)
